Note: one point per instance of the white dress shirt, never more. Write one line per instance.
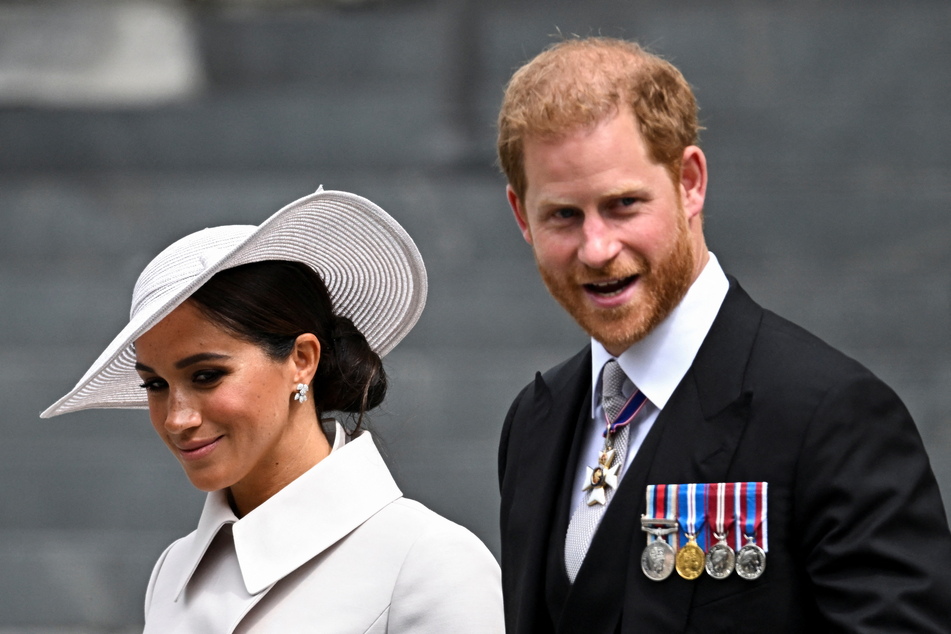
(656, 364)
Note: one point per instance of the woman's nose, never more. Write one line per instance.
(181, 415)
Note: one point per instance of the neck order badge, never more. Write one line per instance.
(602, 479)
(617, 416)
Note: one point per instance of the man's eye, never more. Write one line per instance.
(565, 213)
(628, 201)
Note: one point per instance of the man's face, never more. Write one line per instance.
(616, 241)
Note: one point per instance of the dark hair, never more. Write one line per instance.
(271, 303)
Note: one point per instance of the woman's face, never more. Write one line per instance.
(224, 407)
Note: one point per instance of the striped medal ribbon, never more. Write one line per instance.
(690, 556)
(751, 536)
(721, 558)
(661, 525)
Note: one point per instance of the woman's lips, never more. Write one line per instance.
(198, 449)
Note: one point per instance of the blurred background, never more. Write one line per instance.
(127, 124)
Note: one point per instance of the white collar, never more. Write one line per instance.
(657, 363)
(301, 520)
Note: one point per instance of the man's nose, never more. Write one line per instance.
(599, 243)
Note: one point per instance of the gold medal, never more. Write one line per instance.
(690, 559)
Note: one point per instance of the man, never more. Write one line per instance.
(737, 430)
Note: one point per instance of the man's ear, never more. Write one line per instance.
(519, 212)
(693, 181)
(305, 357)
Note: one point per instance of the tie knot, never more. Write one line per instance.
(612, 395)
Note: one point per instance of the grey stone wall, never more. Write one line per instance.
(827, 136)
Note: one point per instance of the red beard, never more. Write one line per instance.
(661, 287)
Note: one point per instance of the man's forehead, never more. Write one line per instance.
(603, 162)
(554, 134)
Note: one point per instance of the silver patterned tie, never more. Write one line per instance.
(584, 521)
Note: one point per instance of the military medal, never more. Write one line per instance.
(720, 558)
(751, 517)
(690, 557)
(660, 523)
(657, 560)
(604, 475)
(751, 560)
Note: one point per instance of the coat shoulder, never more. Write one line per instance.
(447, 580)
(790, 360)
(168, 569)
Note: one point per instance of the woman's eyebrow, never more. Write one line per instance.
(187, 361)
(197, 358)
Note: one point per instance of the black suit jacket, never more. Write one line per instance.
(858, 536)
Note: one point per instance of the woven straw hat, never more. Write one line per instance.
(371, 267)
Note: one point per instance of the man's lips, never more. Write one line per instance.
(610, 288)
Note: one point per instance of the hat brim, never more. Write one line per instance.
(370, 265)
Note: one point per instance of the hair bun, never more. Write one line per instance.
(350, 377)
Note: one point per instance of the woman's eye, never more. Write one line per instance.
(207, 377)
(153, 385)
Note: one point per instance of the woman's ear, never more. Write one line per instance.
(305, 357)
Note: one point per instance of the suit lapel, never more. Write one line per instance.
(693, 440)
(533, 482)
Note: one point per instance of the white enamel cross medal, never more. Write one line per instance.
(601, 478)
(617, 414)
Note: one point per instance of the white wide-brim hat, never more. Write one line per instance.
(372, 269)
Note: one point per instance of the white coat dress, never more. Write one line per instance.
(338, 550)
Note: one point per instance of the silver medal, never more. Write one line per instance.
(720, 560)
(657, 560)
(750, 561)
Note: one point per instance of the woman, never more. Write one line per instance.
(241, 340)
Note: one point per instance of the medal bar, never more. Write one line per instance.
(722, 528)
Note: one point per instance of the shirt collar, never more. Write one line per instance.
(301, 520)
(657, 363)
